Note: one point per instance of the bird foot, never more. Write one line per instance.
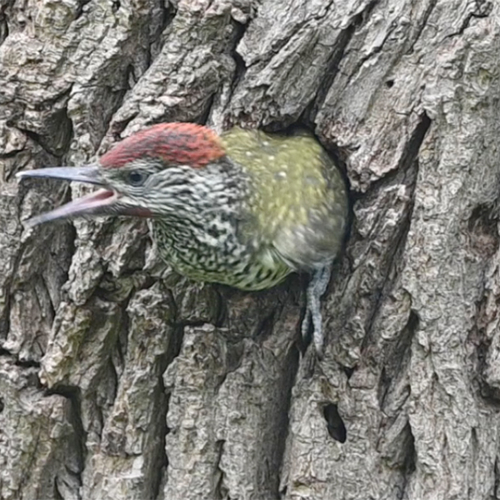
(315, 290)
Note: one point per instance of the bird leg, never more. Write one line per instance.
(315, 290)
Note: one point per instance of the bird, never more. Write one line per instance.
(243, 208)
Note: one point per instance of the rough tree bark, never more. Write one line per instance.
(121, 380)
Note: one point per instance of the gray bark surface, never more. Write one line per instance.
(121, 380)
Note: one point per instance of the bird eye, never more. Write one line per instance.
(136, 178)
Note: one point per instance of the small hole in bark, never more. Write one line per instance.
(389, 84)
(334, 423)
(2, 406)
(483, 231)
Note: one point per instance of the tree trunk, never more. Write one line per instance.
(121, 380)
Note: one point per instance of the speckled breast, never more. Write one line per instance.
(236, 266)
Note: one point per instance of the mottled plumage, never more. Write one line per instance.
(298, 200)
(244, 209)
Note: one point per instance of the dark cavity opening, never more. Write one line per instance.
(334, 423)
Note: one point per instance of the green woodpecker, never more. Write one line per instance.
(244, 209)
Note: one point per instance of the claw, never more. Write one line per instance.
(315, 290)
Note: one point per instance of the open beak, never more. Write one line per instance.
(98, 203)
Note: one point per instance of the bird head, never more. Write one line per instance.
(141, 175)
